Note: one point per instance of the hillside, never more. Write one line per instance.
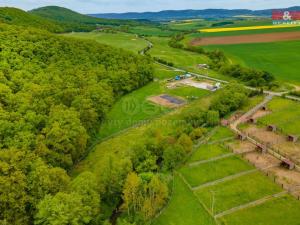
(189, 14)
(65, 15)
(54, 93)
(19, 17)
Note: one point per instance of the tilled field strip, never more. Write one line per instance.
(252, 38)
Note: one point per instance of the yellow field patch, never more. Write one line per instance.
(212, 30)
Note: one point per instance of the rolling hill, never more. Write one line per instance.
(188, 14)
(65, 15)
(19, 17)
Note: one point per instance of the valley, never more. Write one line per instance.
(148, 122)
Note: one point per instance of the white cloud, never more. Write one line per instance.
(100, 6)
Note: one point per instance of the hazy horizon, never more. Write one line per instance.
(121, 6)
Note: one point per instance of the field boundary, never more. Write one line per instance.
(198, 199)
(224, 156)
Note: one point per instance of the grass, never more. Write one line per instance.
(252, 102)
(278, 58)
(179, 57)
(134, 108)
(221, 133)
(205, 152)
(188, 25)
(280, 211)
(182, 59)
(188, 92)
(121, 40)
(238, 191)
(163, 73)
(285, 115)
(215, 170)
(151, 31)
(183, 208)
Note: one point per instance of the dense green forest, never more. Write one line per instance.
(54, 92)
(56, 19)
(19, 17)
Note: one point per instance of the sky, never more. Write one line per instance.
(108, 6)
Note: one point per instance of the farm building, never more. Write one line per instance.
(262, 148)
(272, 128)
(242, 137)
(184, 76)
(265, 108)
(252, 120)
(224, 122)
(292, 138)
(288, 164)
(203, 66)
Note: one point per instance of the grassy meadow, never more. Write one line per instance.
(242, 190)
(206, 151)
(285, 115)
(182, 59)
(183, 208)
(279, 211)
(221, 133)
(211, 171)
(121, 40)
(279, 58)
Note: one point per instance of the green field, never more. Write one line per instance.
(215, 170)
(280, 211)
(285, 115)
(279, 58)
(151, 31)
(121, 40)
(238, 191)
(221, 133)
(182, 59)
(183, 208)
(205, 152)
(134, 108)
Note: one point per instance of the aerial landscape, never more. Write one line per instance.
(126, 112)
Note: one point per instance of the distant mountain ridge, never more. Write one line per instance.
(189, 14)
